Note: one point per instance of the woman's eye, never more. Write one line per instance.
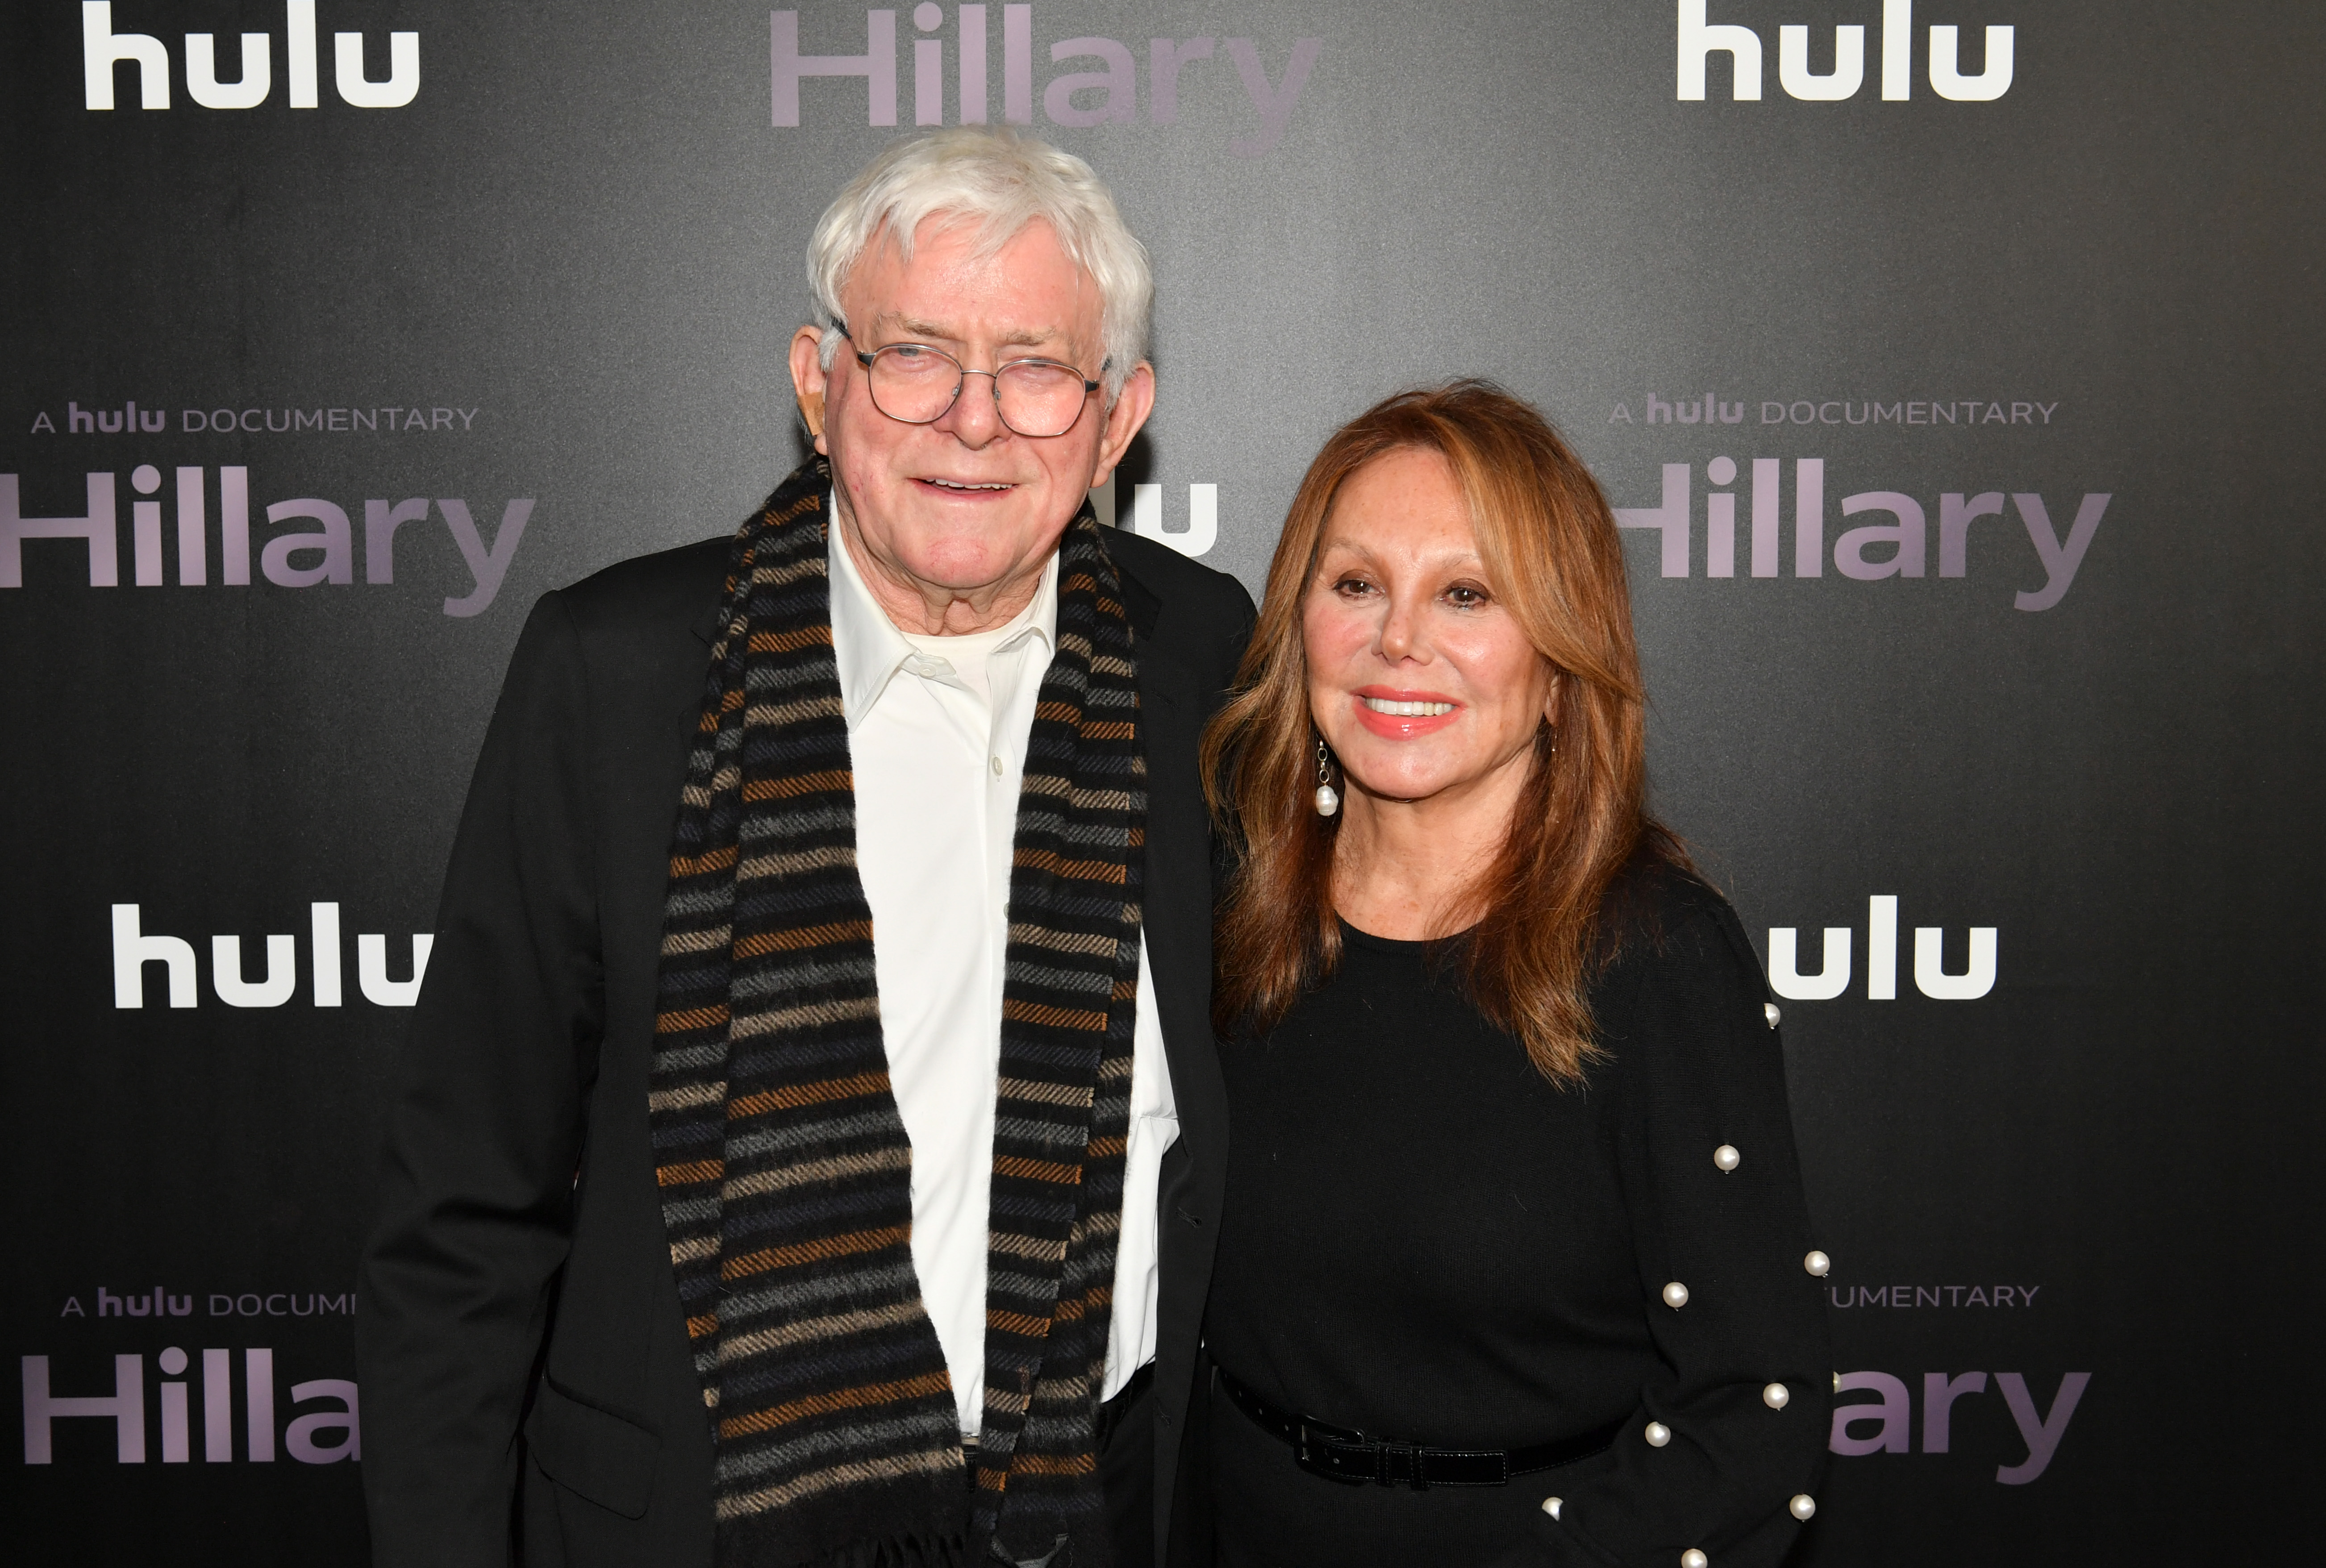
(1464, 597)
(1353, 586)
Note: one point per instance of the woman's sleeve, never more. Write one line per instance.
(1745, 1394)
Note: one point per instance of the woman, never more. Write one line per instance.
(1511, 1180)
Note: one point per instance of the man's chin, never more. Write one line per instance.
(951, 553)
(960, 565)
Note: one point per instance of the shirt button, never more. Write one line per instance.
(997, 767)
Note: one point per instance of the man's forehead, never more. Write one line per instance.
(1030, 292)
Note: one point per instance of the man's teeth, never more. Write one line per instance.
(953, 485)
(1407, 709)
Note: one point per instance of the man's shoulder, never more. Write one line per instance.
(681, 587)
(1185, 598)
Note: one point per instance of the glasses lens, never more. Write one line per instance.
(913, 383)
(1039, 399)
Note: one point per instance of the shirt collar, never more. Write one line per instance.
(870, 649)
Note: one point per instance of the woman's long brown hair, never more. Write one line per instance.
(1555, 561)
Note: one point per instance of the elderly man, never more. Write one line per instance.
(811, 1139)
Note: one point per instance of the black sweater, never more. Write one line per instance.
(1425, 1240)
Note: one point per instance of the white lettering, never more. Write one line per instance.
(299, 51)
(371, 970)
(1785, 978)
(1897, 49)
(403, 83)
(1992, 83)
(1843, 81)
(323, 933)
(133, 950)
(1697, 40)
(101, 49)
(1930, 977)
(257, 80)
(1882, 948)
(226, 973)
(1203, 529)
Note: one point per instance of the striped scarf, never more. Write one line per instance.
(782, 1163)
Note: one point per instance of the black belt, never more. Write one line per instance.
(1339, 1454)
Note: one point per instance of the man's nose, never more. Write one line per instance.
(974, 418)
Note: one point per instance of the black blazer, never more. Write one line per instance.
(528, 1389)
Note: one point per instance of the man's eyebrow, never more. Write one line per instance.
(925, 331)
(1024, 337)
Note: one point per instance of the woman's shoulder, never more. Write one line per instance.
(1655, 896)
(1663, 925)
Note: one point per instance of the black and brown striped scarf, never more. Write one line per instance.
(784, 1166)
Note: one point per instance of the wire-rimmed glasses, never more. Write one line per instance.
(914, 384)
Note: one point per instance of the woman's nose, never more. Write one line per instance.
(1400, 632)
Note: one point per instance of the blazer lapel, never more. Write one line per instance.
(1178, 872)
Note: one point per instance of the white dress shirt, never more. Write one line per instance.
(936, 736)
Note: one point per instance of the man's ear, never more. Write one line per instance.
(808, 381)
(1124, 421)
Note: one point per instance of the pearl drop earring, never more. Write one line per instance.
(1328, 799)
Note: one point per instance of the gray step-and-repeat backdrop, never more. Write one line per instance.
(1955, 366)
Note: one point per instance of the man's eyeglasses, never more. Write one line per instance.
(915, 384)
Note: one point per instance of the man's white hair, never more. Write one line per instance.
(1000, 181)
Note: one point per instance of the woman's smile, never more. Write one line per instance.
(1395, 715)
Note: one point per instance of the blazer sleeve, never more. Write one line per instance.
(1746, 1393)
(485, 1135)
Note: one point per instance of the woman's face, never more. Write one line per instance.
(1418, 678)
